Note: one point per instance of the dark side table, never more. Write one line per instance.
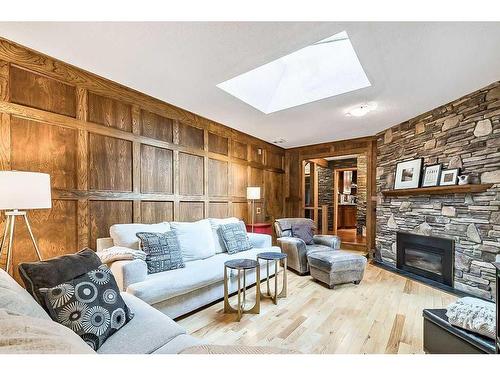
(242, 265)
(276, 258)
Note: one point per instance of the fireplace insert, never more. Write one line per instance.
(426, 256)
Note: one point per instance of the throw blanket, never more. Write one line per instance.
(116, 253)
(473, 314)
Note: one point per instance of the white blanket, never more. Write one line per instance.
(116, 253)
(473, 314)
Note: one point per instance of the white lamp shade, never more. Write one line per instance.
(24, 190)
(253, 192)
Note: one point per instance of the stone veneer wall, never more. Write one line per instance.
(464, 133)
(325, 192)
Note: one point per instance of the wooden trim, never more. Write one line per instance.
(439, 190)
(4, 141)
(4, 81)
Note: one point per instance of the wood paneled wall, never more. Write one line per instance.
(118, 156)
(293, 189)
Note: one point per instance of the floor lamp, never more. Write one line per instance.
(253, 193)
(21, 191)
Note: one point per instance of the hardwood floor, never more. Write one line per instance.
(350, 236)
(381, 315)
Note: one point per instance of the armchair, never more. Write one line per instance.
(296, 249)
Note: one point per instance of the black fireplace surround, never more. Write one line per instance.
(426, 256)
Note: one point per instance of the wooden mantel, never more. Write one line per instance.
(439, 190)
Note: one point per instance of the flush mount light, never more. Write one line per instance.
(361, 110)
(321, 70)
(279, 141)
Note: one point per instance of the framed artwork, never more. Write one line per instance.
(448, 177)
(408, 174)
(432, 173)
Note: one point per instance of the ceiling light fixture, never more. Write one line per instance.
(362, 109)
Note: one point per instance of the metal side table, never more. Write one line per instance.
(276, 257)
(242, 265)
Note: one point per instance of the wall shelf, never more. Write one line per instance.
(439, 190)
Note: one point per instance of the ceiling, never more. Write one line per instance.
(413, 67)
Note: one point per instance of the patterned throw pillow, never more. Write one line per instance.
(304, 231)
(235, 237)
(90, 305)
(163, 252)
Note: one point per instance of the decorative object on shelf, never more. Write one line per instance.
(408, 174)
(22, 191)
(253, 194)
(432, 173)
(448, 177)
(464, 179)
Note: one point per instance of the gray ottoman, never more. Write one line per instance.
(334, 267)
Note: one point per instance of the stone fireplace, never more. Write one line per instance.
(426, 256)
(462, 134)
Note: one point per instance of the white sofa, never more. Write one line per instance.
(201, 282)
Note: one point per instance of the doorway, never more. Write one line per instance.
(335, 197)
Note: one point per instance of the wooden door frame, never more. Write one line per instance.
(371, 200)
(335, 195)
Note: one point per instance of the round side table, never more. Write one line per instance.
(242, 265)
(276, 257)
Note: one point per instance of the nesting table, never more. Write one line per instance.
(242, 266)
(276, 258)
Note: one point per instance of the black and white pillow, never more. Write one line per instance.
(163, 252)
(235, 237)
(90, 305)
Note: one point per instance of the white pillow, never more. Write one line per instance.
(218, 241)
(473, 314)
(124, 234)
(195, 239)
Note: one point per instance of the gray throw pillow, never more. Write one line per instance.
(52, 272)
(90, 305)
(235, 237)
(304, 231)
(163, 252)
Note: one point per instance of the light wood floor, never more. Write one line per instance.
(381, 315)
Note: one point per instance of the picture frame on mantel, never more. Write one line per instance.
(449, 177)
(408, 174)
(432, 175)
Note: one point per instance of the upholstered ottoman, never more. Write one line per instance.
(334, 267)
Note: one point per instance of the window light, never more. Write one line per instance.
(321, 70)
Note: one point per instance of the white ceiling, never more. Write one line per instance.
(413, 67)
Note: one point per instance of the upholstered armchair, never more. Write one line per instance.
(296, 249)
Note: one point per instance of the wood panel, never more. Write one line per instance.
(274, 194)
(217, 178)
(274, 160)
(109, 112)
(256, 154)
(110, 163)
(239, 180)
(218, 144)
(37, 91)
(191, 211)
(103, 214)
(156, 212)
(156, 126)
(257, 178)
(39, 147)
(240, 210)
(156, 170)
(55, 230)
(218, 210)
(192, 176)
(190, 136)
(114, 154)
(240, 150)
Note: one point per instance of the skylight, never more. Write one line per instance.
(326, 68)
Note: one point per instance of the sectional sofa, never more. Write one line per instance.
(201, 282)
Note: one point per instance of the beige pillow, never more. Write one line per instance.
(21, 334)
